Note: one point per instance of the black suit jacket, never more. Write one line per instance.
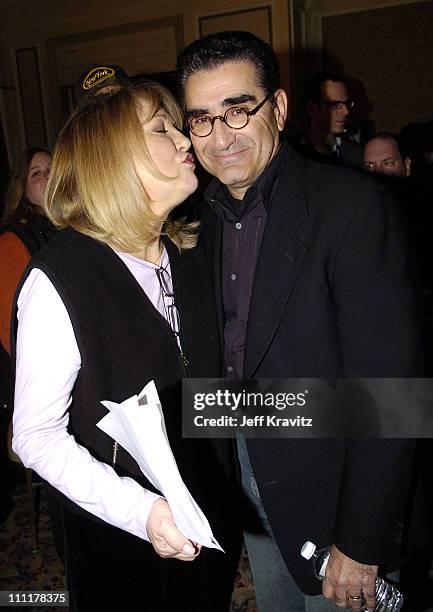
(333, 295)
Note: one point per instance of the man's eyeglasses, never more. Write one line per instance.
(236, 117)
(338, 104)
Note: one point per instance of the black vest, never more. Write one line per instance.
(124, 343)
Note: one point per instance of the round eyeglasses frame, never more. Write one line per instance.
(245, 114)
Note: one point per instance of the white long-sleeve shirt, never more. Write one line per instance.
(48, 362)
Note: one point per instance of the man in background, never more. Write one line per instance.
(99, 79)
(384, 155)
(328, 107)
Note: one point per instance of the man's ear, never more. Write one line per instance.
(280, 108)
(407, 164)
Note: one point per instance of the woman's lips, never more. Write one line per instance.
(189, 159)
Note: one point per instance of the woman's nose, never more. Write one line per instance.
(183, 142)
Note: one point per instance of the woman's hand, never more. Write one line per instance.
(165, 537)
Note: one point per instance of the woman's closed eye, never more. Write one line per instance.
(160, 125)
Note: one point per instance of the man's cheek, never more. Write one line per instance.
(198, 151)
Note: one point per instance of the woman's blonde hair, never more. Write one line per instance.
(94, 186)
(17, 207)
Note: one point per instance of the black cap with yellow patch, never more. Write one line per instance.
(96, 77)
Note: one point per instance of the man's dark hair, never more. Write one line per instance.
(313, 87)
(389, 136)
(216, 49)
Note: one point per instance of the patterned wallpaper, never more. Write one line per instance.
(390, 51)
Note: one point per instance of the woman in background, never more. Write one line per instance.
(24, 228)
(118, 298)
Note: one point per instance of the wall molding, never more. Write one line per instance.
(30, 95)
(235, 13)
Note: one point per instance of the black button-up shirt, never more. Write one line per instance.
(243, 225)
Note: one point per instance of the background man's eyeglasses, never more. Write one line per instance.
(338, 104)
(236, 117)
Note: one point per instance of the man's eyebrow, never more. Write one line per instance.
(227, 102)
(241, 99)
(196, 112)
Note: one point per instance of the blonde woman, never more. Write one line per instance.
(118, 298)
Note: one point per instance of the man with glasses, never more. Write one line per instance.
(310, 281)
(328, 109)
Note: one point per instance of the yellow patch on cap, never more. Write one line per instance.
(96, 76)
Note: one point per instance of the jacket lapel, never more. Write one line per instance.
(279, 263)
(212, 229)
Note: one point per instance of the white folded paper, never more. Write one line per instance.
(137, 424)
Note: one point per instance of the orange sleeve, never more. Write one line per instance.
(14, 258)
